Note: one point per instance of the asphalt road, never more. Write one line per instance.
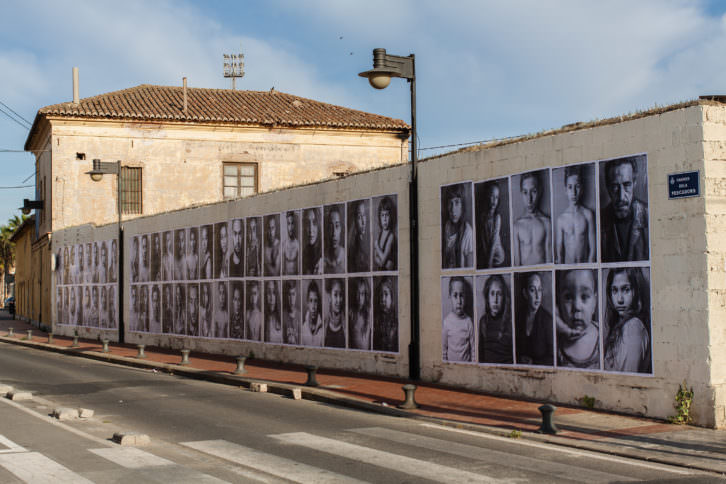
(206, 432)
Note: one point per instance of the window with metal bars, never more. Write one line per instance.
(239, 179)
(131, 199)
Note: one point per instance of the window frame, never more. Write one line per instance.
(239, 177)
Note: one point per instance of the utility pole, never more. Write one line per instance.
(234, 67)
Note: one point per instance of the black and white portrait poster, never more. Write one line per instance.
(534, 323)
(253, 311)
(458, 337)
(532, 228)
(273, 322)
(493, 244)
(180, 309)
(167, 269)
(192, 255)
(291, 311)
(312, 331)
(385, 313)
(334, 313)
(578, 330)
(205, 251)
(457, 233)
(237, 255)
(180, 266)
(206, 323)
(334, 240)
(220, 326)
(359, 236)
(155, 309)
(167, 305)
(144, 260)
(156, 258)
(385, 233)
(360, 328)
(312, 261)
(253, 257)
(133, 260)
(221, 250)
(192, 316)
(627, 338)
(236, 309)
(272, 245)
(624, 234)
(291, 243)
(494, 310)
(574, 202)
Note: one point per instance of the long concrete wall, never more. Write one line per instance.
(536, 311)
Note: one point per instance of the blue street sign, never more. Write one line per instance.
(683, 185)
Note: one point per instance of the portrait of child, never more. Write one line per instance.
(457, 328)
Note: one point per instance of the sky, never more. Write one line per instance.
(484, 69)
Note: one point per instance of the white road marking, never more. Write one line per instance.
(268, 463)
(532, 464)
(52, 421)
(33, 468)
(131, 458)
(394, 462)
(564, 450)
(11, 446)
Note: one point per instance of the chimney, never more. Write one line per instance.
(185, 95)
(76, 100)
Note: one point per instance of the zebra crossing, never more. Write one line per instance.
(361, 455)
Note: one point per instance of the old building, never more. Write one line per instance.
(181, 146)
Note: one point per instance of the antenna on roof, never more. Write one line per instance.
(234, 66)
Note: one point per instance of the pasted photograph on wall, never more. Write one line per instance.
(291, 312)
(578, 328)
(494, 310)
(237, 255)
(627, 338)
(291, 244)
(532, 227)
(493, 244)
(458, 337)
(334, 240)
(385, 314)
(385, 233)
(312, 261)
(574, 201)
(534, 333)
(360, 327)
(272, 245)
(457, 233)
(85, 285)
(624, 234)
(359, 236)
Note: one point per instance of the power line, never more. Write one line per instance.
(16, 114)
(468, 143)
(13, 119)
(19, 186)
(31, 176)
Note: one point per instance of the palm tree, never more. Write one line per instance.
(7, 249)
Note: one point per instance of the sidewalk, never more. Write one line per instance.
(633, 437)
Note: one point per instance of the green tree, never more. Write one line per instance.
(7, 248)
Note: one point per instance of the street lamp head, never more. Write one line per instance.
(96, 173)
(29, 205)
(25, 210)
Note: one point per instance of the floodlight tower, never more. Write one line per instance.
(234, 67)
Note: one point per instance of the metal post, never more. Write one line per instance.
(30, 335)
(50, 338)
(410, 403)
(548, 426)
(105, 346)
(10, 332)
(240, 370)
(141, 354)
(414, 364)
(75, 341)
(312, 381)
(185, 357)
(120, 258)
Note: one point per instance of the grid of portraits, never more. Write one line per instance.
(549, 268)
(323, 276)
(86, 284)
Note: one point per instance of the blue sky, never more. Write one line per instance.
(485, 69)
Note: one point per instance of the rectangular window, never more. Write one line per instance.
(239, 179)
(131, 200)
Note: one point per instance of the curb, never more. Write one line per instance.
(323, 395)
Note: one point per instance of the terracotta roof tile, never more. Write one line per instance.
(267, 108)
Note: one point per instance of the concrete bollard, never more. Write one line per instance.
(410, 403)
(312, 381)
(10, 332)
(75, 342)
(50, 338)
(240, 370)
(185, 357)
(30, 335)
(548, 426)
(105, 345)
(141, 355)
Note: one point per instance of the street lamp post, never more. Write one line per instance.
(101, 168)
(386, 66)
